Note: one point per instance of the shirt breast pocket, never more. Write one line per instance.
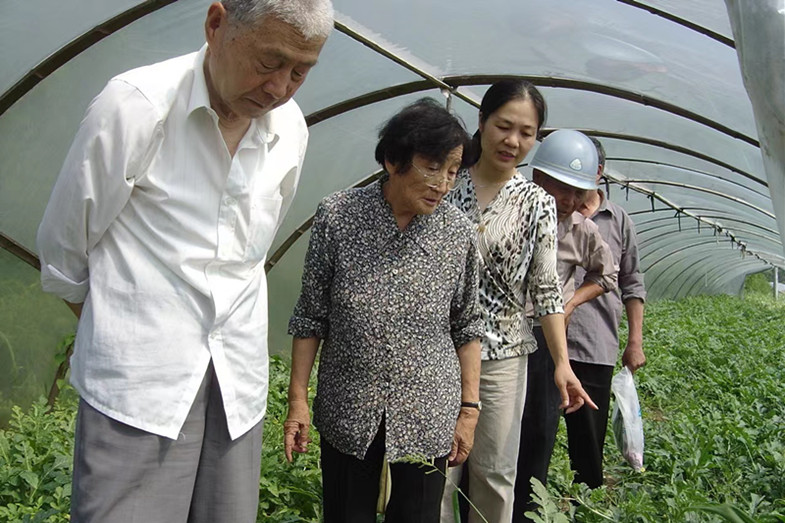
(264, 218)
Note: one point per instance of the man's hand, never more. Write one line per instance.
(463, 439)
(633, 356)
(295, 429)
(573, 396)
(569, 308)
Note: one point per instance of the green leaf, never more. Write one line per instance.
(31, 478)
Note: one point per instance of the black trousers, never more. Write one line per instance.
(538, 426)
(351, 486)
(586, 427)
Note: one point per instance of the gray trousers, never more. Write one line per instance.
(493, 460)
(123, 474)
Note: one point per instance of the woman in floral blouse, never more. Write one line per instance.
(515, 222)
(389, 289)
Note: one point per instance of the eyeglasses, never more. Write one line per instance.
(435, 176)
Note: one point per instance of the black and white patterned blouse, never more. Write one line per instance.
(392, 308)
(516, 237)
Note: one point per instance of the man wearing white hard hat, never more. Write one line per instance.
(565, 165)
(593, 336)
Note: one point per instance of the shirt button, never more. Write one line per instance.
(229, 201)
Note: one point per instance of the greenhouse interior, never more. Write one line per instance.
(688, 99)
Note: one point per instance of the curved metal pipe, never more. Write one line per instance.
(669, 262)
(453, 82)
(73, 48)
(20, 252)
(682, 22)
(688, 170)
(721, 194)
(744, 267)
(302, 229)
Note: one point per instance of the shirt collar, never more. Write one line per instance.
(567, 225)
(603, 203)
(264, 128)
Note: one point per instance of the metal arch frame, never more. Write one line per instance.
(676, 242)
(692, 260)
(20, 251)
(76, 47)
(729, 218)
(688, 258)
(713, 217)
(741, 268)
(682, 21)
(653, 284)
(675, 286)
(423, 85)
(302, 229)
(641, 231)
(675, 148)
(635, 186)
(679, 209)
(762, 255)
(697, 188)
(454, 82)
(87, 39)
(689, 170)
(665, 253)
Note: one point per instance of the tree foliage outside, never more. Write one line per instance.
(713, 422)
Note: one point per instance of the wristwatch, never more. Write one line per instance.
(472, 405)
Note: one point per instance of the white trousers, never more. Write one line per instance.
(493, 460)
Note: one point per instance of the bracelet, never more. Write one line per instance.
(472, 405)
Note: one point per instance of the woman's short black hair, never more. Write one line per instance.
(424, 127)
(499, 94)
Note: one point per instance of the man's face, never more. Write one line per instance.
(252, 69)
(568, 198)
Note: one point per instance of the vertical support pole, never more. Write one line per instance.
(776, 282)
(448, 95)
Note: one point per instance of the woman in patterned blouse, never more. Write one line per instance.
(515, 222)
(390, 288)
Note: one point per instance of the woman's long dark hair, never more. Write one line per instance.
(499, 94)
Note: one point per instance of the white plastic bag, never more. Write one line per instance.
(627, 423)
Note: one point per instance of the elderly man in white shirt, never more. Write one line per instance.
(156, 234)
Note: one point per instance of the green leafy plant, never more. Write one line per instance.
(35, 462)
(712, 411)
(288, 492)
(713, 418)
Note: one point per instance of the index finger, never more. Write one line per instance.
(588, 400)
(288, 443)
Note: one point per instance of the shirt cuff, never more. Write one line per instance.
(607, 284)
(471, 332)
(539, 312)
(301, 327)
(57, 283)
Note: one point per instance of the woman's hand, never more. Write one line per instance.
(463, 439)
(295, 428)
(572, 394)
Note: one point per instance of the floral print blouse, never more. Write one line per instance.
(392, 308)
(516, 237)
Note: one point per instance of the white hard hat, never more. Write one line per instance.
(570, 157)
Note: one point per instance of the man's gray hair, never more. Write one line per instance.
(312, 18)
